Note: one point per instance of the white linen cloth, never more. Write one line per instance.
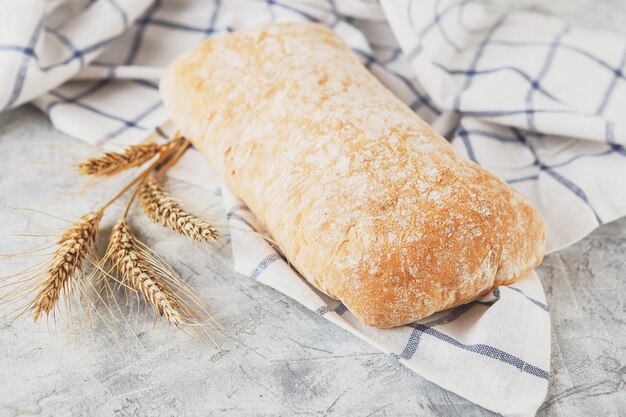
(528, 97)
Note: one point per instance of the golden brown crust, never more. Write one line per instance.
(366, 201)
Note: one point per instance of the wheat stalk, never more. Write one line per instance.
(137, 267)
(161, 208)
(75, 245)
(129, 259)
(113, 163)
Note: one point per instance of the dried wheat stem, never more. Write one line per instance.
(136, 272)
(113, 163)
(164, 154)
(164, 210)
(74, 246)
(165, 161)
(185, 144)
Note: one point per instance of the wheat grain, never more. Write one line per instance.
(113, 163)
(128, 258)
(166, 211)
(74, 246)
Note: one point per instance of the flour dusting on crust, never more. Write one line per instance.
(365, 200)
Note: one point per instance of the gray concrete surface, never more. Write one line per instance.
(274, 357)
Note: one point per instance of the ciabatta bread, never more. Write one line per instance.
(368, 203)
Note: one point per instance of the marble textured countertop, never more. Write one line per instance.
(272, 356)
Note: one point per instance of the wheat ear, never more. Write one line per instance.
(75, 245)
(113, 163)
(135, 270)
(161, 208)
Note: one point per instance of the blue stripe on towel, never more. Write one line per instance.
(262, 266)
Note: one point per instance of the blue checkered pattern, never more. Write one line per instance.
(537, 103)
(484, 350)
(530, 98)
(166, 20)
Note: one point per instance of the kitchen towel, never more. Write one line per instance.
(527, 96)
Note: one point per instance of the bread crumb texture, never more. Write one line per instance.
(365, 200)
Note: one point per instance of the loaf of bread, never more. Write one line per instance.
(365, 200)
